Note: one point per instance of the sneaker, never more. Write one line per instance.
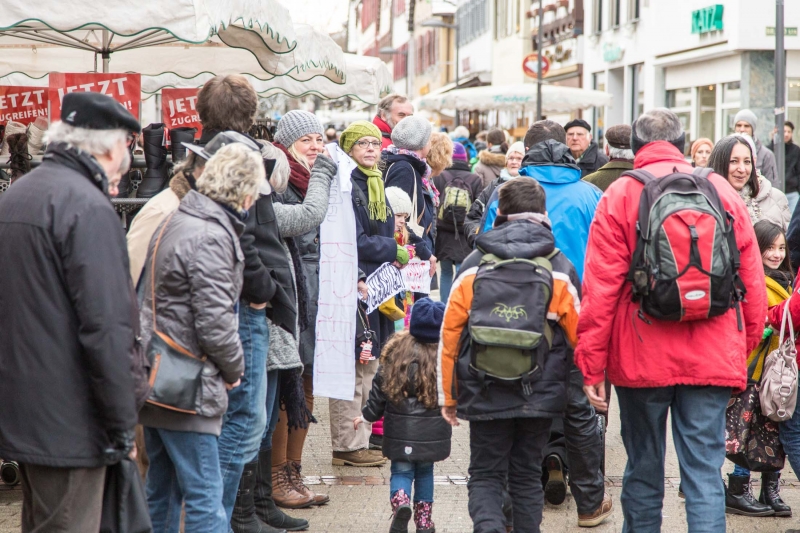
(555, 491)
(361, 457)
(597, 517)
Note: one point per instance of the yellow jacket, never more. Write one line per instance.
(775, 295)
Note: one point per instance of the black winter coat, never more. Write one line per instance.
(308, 247)
(451, 244)
(792, 166)
(591, 160)
(472, 224)
(403, 171)
(373, 251)
(65, 324)
(411, 431)
(267, 275)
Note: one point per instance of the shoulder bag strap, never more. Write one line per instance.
(153, 270)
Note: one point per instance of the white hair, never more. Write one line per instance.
(232, 174)
(620, 153)
(95, 142)
(280, 174)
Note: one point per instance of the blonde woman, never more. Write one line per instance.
(440, 155)
(198, 277)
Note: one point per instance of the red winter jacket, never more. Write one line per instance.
(611, 338)
(386, 131)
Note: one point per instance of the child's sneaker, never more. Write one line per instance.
(422, 517)
(401, 508)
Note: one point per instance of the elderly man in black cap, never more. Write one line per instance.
(618, 150)
(583, 149)
(66, 333)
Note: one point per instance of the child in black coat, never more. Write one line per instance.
(415, 434)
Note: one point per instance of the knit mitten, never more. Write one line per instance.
(402, 255)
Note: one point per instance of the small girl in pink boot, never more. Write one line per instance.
(415, 434)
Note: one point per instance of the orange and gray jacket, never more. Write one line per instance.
(524, 236)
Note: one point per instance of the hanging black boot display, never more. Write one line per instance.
(155, 156)
(178, 136)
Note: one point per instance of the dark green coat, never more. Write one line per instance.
(604, 176)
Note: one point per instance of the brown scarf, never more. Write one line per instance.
(299, 175)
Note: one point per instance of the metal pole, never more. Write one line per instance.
(410, 50)
(539, 63)
(780, 95)
(106, 51)
(456, 87)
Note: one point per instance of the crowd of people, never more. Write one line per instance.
(188, 344)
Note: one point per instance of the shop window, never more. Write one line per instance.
(614, 13)
(707, 99)
(599, 84)
(637, 91)
(680, 102)
(727, 120)
(679, 98)
(732, 92)
(633, 9)
(597, 16)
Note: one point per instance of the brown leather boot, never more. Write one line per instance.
(296, 477)
(283, 492)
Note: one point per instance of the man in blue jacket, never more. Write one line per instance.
(571, 203)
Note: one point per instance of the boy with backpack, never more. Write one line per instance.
(671, 256)
(504, 356)
(458, 186)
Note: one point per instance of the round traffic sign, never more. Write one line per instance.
(529, 65)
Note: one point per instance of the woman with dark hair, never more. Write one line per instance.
(739, 498)
(734, 158)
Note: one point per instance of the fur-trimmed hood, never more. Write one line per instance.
(492, 158)
(180, 185)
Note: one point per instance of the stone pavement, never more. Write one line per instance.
(360, 496)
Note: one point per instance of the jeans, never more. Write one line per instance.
(403, 473)
(184, 468)
(790, 438)
(447, 278)
(698, 431)
(506, 450)
(246, 418)
(792, 197)
(273, 407)
(576, 439)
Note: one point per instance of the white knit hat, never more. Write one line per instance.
(399, 201)
(516, 147)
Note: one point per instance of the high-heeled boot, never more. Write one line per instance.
(155, 156)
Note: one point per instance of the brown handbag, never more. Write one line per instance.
(175, 372)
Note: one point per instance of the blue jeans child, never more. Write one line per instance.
(404, 474)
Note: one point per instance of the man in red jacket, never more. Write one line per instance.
(687, 368)
(391, 110)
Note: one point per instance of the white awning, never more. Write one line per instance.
(521, 97)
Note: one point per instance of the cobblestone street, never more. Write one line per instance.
(360, 496)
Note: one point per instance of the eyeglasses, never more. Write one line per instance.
(365, 144)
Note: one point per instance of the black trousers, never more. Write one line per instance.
(506, 451)
(576, 439)
(61, 500)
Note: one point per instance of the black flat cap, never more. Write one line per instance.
(578, 122)
(95, 111)
(619, 136)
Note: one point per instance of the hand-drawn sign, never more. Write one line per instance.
(383, 284)
(417, 276)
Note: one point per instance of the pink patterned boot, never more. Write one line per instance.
(422, 517)
(401, 508)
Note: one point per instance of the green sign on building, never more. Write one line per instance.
(707, 19)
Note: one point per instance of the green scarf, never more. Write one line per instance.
(377, 197)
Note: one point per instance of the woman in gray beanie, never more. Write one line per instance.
(745, 122)
(406, 168)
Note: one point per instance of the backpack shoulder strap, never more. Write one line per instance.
(703, 172)
(642, 176)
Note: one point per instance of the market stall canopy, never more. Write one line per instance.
(521, 97)
(56, 35)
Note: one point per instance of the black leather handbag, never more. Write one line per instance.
(175, 372)
(124, 501)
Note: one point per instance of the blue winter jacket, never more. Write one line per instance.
(571, 202)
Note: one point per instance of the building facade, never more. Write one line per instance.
(703, 60)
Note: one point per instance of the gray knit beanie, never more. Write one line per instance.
(296, 124)
(748, 116)
(411, 133)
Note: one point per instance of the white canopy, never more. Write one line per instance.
(521, 97)
(192, 36)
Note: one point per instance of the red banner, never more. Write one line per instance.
(22, 104)
(124, 88)
(179, 109)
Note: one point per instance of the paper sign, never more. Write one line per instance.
(417, 276)
(22, 104)
(383, 284)
(124, 88)
(179, 109)
(334, 349)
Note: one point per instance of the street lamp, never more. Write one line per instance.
(388, 50)
(433, 23)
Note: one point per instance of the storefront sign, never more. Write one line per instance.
(179, 109)
(788, 32)
(707, 19)
(22, 104)
(530, 65)
(612, 52)
(124, 88)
